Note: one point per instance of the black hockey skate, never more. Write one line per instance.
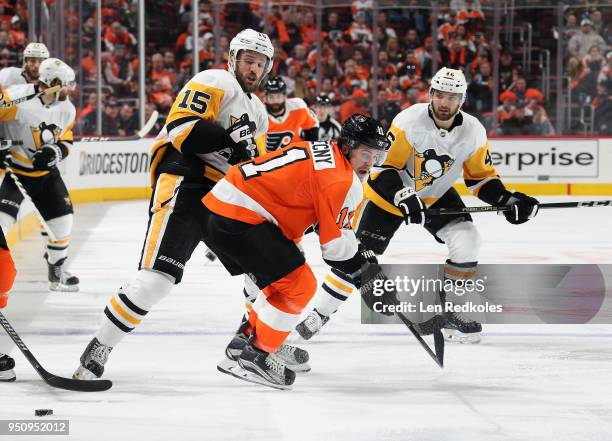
(459, 328)
(311, 325)
(93, 360)
(257, 366)
(59, 278)
(295, 358)
(7, 364)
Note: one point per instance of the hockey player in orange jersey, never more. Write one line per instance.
(289, 119)
(7, 277)
(262, 208)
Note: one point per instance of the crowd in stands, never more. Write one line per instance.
(405, 58)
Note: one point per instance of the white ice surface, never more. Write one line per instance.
(523, 382)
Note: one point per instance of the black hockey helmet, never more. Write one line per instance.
(322, 100)
(275, 85)
(360, 129)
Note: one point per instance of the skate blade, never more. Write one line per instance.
(303, 367)
(7, 376)
(238, 372)
(59, 287)
(83, 374)
(454, 336)
(225, 365)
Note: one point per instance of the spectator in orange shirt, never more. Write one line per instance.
(385, 69)
(356, 104)
(450, 25)
(506, 110)
(162, 76)
(117, 34)
(362, 70)
(351, 80)
(308, 29)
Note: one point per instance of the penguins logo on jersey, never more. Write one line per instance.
(45, 134)
(278, 140)
(429, 166)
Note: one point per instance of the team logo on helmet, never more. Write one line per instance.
(429, 166)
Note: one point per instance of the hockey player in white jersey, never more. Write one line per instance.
(432, 146)
(44, 128)
(33, 55)
(216, 121)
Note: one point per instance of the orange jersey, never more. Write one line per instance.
(288, 128)
(303, 185)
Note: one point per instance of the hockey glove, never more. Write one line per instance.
(523, 207)
(240, 138)
(371, 281)
(47, 157)
(410, 205)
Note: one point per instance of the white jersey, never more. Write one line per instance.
(11, 76)
(432, 159)
(217, 96)
(34, 124)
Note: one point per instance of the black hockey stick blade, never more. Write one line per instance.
(438, 356)
(49, 378)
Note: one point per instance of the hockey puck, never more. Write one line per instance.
(43, 412)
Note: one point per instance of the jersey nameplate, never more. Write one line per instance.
(322, 155)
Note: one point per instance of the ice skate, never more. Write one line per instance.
(257, 366)
(7, 364)
(93, 360)
(311, 325)
(60, 279)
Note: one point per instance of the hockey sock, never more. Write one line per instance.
(128, 307)
(336, 289)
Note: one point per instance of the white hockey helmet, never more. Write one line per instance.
(449, 80)
(36, 50)
(55, 69)
(248, 39)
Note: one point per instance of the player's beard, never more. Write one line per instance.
(275, 109)
(248, 83)
(444, 114)
(32, 75)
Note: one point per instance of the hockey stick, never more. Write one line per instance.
(486, 208)
(437, 356)
(50, 379)
(139, 135)
(26, 196)
(32, 96)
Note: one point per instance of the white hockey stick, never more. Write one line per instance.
(23, 99)
(139, 135)
(26, 196)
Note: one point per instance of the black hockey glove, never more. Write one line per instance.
(371, 281)
(523, 207)
(410, 205)
(47, 157)
(240, 138)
